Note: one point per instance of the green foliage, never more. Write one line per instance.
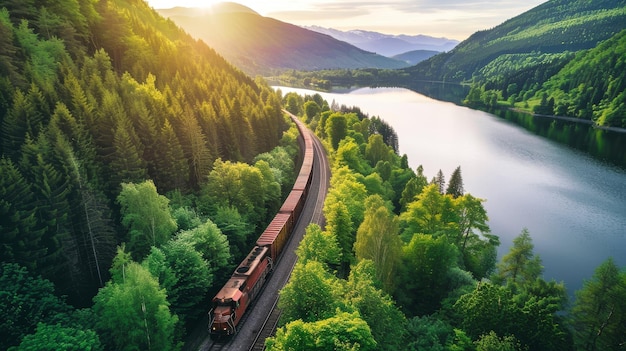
(146, 215)
(428, 333)
(336, 129)
(26, 300)
(311, 110)
(413, 187)
(386, 321)
(209, 241)
(530, 318)
(338, 223)
(344, 331)
(192, 282)
(553, 27)
(311, 294)
(345, 188)
(590, 85)
(239, 232)
(455, 185)
(133, 313)
(56, 337)
(599, 313)
(520, 265)
(424, 273)
(318, 245)
(377, 239)
(426, 213)
(491, 342)
(252, 190)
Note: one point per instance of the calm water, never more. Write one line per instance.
(573, 205)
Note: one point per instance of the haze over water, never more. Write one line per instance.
(573, 205)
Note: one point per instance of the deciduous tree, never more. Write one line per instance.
(133, 313)
(377, 239)
(146, 215)
(312, 294)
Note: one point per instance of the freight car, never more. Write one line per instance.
(232, 301)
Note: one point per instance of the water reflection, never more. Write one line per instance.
(604, 145)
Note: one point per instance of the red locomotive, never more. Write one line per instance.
(232, 301)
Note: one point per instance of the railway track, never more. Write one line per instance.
(261, 320)
(321, 170)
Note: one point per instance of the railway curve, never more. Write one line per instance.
(261, 316)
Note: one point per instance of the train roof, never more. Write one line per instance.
(231, 291)
(249, 264)
(273, 229)
(291, 201)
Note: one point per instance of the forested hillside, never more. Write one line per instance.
(408, 262)
(575, 48)
(97, 96)
(591, 86)
(555, 27)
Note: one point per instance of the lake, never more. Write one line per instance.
(573, 205)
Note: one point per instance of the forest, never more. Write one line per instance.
(409, 263)
(136, 165)
(118, 134)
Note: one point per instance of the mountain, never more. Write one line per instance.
(262, 45)
(416, 56)
(387, 44)
(552, 28)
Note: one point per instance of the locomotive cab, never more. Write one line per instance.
(223, 316)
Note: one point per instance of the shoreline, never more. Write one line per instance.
(571, 119)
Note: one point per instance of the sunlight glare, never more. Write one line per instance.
(164, 4)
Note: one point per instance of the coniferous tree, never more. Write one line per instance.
(440, 181)
(21, 233)
(51, 188)
(127, 164)
(599, 313)
(521, 265)
(455, 185)
(172, 169)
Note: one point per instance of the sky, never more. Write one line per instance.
(453, 19)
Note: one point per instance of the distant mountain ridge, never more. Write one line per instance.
(263, 45)
(387, 44)
(416, 56)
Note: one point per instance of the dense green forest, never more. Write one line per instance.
(106, 108)
(408, 263)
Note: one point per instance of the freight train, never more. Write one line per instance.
(244, 285)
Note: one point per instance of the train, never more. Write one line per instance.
(235, 297)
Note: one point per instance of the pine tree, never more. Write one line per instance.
(127, 164)
(20, 232)
(440, 180)
(521, 265)
(455, 185)
(172, 169)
